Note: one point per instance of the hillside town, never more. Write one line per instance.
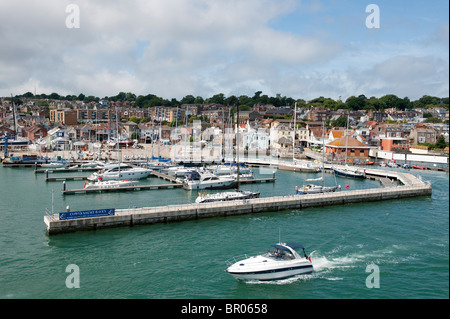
(283, 131)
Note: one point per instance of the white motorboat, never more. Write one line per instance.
(226, 196)
(156, 165)
(110, 184)
(196, 180)
(116, 172)
(52, 165)
(315, 189)
(94, 164)
(348, 172)
(392, 164)
(229, 170)
(177, 171)
(283, 262)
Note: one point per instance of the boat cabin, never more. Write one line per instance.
(286, 251)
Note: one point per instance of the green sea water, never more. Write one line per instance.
(406, 239)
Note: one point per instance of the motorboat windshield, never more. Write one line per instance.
(286, 251)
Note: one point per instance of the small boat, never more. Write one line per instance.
(407, 166)
(226, 196)
(419, 167)
(120, 171)
(283, 262)
(26, 159)
(315, 189)
(392, 164)
(95, 164)
(196, 180)
(229, 169)
(52, 165)
(363, 163)
(157, 165)
(177, 171)
(347, 172)
(110, 184)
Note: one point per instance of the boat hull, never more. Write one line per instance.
(110, 184)
(217, 185)
(317, 190)
(134, 174)
(348, 174)
(227, 197)
(273, 274)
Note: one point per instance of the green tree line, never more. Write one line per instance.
(360, 102)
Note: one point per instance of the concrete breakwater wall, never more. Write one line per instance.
(172, 213)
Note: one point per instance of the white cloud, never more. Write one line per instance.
(199, 47)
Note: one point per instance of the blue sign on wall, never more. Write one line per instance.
(87, 214)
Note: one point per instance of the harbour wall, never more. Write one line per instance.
(173, 213)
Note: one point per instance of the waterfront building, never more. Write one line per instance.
(347, 147)
(422, 133)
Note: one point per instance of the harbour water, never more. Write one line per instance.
(406, 239)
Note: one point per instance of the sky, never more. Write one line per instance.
(172, 48)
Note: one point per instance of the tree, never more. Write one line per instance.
(54, 96)
(231, 100)
(356, 103)
(245, 100)
(81, 97)
(440, 142)
(130, 96)
(199, 100)
(188, 99)
(256, 95)
(339, 122)
(218, 99)
(391, 100)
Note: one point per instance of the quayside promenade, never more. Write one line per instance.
(409, 186)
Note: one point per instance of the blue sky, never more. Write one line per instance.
(172, 48)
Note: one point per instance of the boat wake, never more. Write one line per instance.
(330, 267)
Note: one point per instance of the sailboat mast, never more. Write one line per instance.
(293, 139)
(237, 145)
(323, 152)
(117, 142)
(346, 137)
(14, 115)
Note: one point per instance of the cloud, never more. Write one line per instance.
(202, 47)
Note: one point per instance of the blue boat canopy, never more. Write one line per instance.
(292, 245)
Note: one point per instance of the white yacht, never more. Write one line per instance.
(315, 189)
(178, 171)
(229, 170)
(111, 172)
(283, 262)
(51, 165)
(226, 196)
(348, 172)
(196, 180)
(100, 184)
